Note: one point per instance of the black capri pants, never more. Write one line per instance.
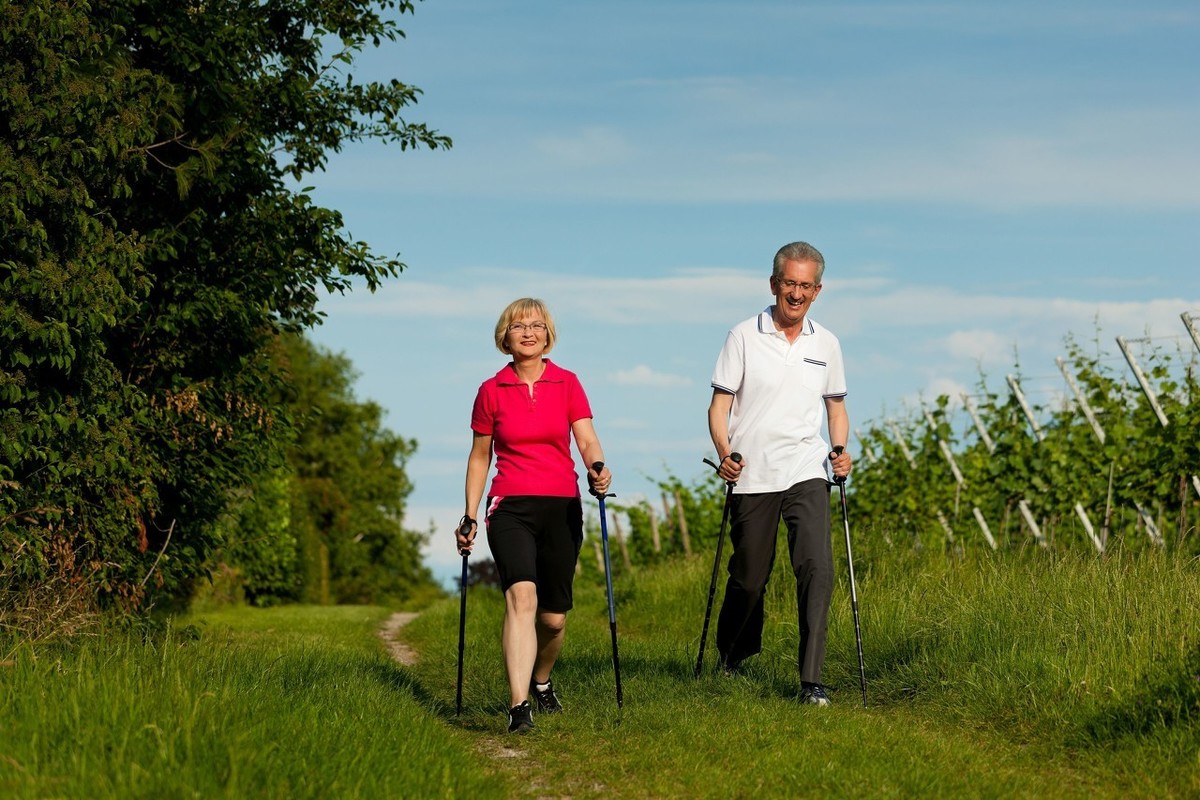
(537, 539)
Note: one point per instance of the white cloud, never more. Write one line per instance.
(984, 328)
(683, 295)
(1001, 319)
(983, 346)
(949, 387)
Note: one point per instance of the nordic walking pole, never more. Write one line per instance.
(712, 586)
(464, 529)
(862, 669)
(612, 611)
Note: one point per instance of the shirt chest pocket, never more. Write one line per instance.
(813, 374)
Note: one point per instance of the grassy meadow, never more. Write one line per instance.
(1023, 674)
(295, 702)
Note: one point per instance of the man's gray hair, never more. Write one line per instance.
(798, 251)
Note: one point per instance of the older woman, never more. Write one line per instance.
(525, 414)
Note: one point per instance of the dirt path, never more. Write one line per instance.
(390, 634)
(492, 747)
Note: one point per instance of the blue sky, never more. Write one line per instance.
(983, 179)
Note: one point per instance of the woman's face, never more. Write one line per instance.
(527, 336)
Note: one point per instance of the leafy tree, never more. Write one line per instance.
(260, 557)
(154, 245)
(327, 525)
(349, 487)
(77, 477)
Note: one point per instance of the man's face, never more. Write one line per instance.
(795, 290)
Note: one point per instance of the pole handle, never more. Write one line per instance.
(837, 451)
(737, 459)
(464, 530)
(596, 467)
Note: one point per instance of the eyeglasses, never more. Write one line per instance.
(787, 285)
(521, 327)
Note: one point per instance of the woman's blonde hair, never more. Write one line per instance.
(519, 309)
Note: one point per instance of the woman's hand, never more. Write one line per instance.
(599, 481)
(464, 535)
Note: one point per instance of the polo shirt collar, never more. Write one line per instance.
(766, 323)
(507, 376)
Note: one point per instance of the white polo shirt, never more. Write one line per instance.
(779, 390)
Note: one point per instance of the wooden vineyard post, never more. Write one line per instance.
(1016, 390)
(620, 537)
(866, 451)
(654, 540)
(1147, 390)
(683, 528)
(958, 477)
(1031, 522)
(983, 434)
(1097, 429)
(1081, 400)
(1151, 529)
(1087, 526)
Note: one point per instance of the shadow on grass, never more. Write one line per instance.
(1168, 701)
(440, 700)
(403, 679)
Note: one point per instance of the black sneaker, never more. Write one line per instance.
(520, 718)
(813, 694)
(547, 701)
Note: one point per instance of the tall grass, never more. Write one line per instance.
(1026, 674)
(1018, 676)
(1041, 647)
(287, 703)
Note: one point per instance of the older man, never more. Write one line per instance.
(777, 379)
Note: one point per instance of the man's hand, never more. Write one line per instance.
(841, 462)
(730, 467)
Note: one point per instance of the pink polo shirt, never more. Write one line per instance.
(531, 434)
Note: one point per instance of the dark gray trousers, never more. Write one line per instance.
(754, 525)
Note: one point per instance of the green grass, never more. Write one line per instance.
(287, 703)
(995, 677)
(1012, 676)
